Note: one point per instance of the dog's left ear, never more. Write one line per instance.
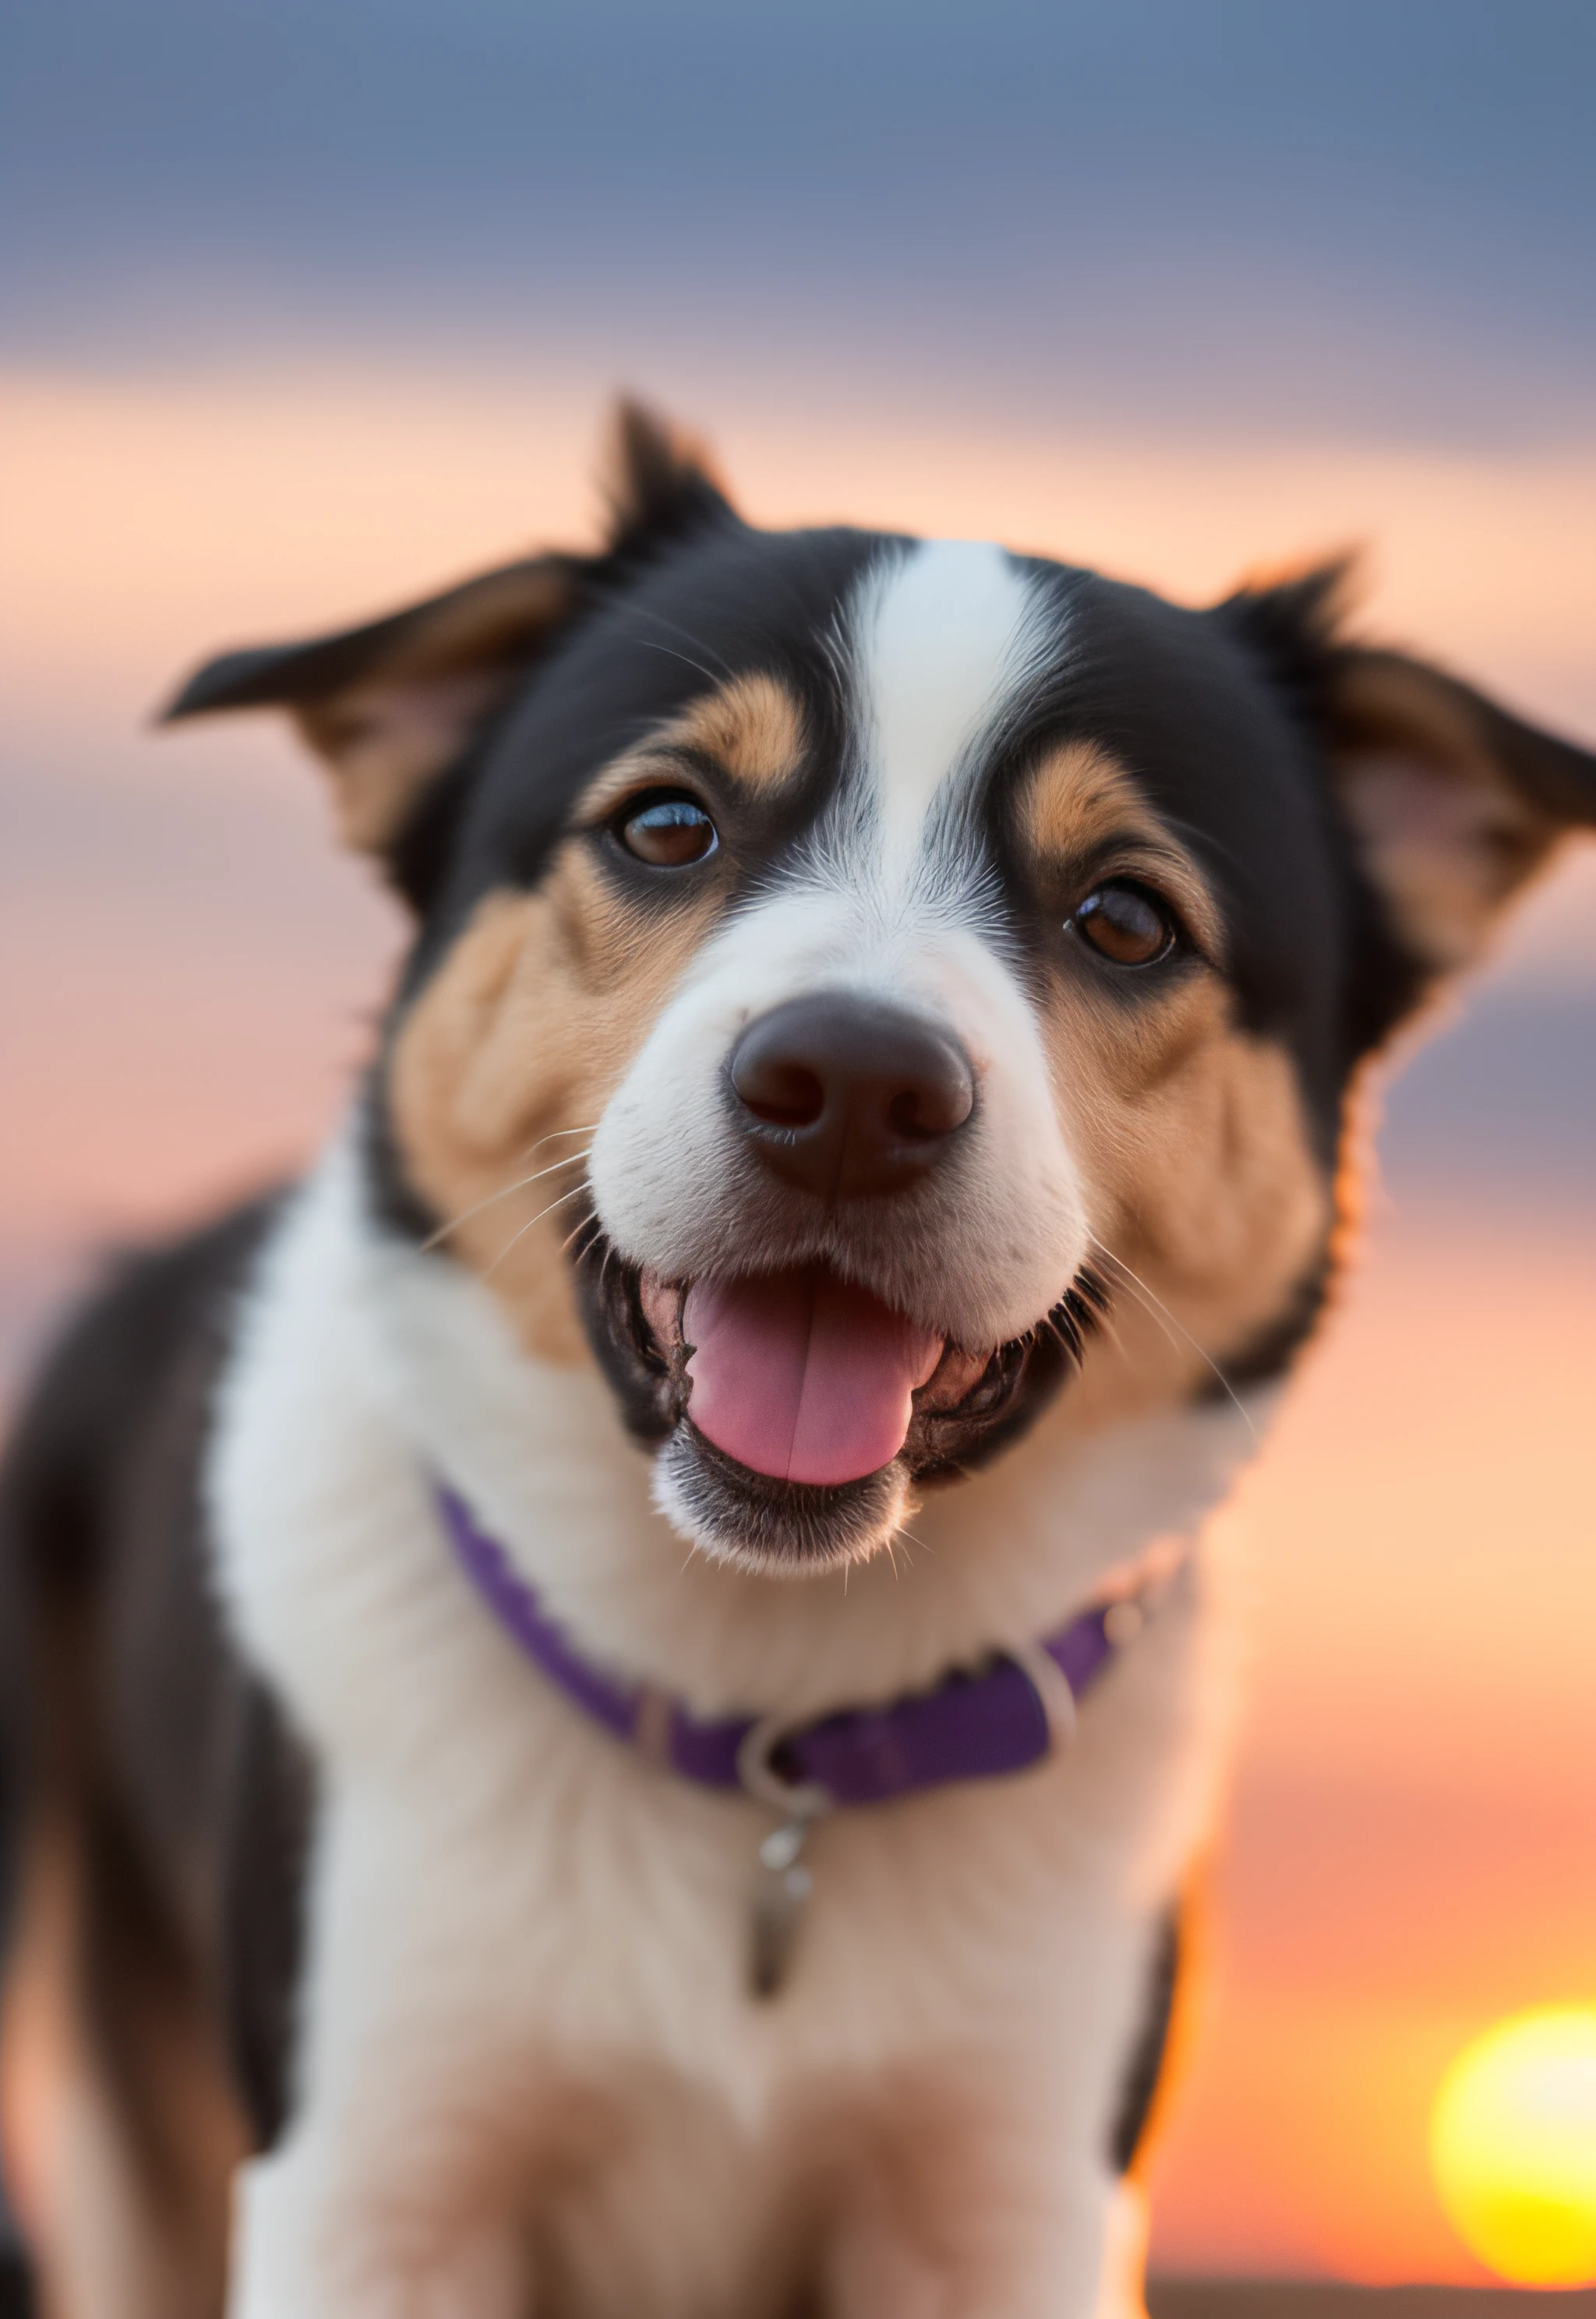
(1453, 802)
(390, 705)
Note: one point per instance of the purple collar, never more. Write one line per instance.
(976, 1725)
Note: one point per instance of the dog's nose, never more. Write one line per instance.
(847, 1098)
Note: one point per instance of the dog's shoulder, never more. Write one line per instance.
(120, 1685)
(127, 1379)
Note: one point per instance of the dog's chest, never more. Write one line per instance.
(543, 1909)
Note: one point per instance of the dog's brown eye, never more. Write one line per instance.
(667, 832)
(1125, 924)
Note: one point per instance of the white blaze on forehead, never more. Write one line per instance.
(945, 635)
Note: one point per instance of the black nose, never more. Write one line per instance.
(848, 1097)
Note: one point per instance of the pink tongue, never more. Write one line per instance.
(802, 1376)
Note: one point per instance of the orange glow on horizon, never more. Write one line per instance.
(1398, 1864)
(152, 519)
(1398, 1868)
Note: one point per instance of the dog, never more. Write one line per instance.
(613, 1701)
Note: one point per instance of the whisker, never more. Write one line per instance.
(571, 1159)
(1156, 1307)
(1105, 1325)
(1079, 1314)
(573, 1193)
(671, 652)
(1152, 1306)
(587, 1223)
(910, 1540)
(676, 628)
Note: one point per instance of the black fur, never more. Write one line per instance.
(118, 1690)
(1227, 719)
(1229, 751)
(125, 1706)
(268, 1782)
(1146, 2064)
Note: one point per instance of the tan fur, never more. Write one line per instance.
(752, 728)
(1079, 800)
(449, 664)
(1446, 834)
(39, 2035)
(487, 622)
(458, 2123)
(1202, 1186)
(505, 1062)
(383, 744)
(1190, 1133)
(125, 2218)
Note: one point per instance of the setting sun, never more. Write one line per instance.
(1513, 2145)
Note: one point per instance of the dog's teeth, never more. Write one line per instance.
(957, 1374)
(661, 1308)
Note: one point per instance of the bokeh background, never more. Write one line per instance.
(311, 304)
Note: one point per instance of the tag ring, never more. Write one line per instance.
(758, 1778)
(1051, 1685)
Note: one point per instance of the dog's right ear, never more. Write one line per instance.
(390, 705)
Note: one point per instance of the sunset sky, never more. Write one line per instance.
(314, 305)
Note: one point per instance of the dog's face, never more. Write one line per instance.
(865, 987)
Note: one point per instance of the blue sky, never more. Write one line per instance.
(1372, 219)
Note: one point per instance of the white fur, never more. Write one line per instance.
(944, 636)
(992, 1254)
(517, 1924)
(889, 904)
(506, 1903)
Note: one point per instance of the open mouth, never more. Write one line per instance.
(795, 1409)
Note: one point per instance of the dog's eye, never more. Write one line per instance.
(1127, 924)
(667, 832)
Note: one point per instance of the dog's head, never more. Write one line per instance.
(863, 985)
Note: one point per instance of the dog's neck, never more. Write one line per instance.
(539, 1453)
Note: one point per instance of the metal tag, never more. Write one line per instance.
(784, 1884)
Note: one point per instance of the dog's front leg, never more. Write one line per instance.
(986, 2215)
(400, 2190)
(316, 2239)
